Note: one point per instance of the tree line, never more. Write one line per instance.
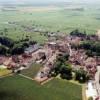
(11, 47)
(92, 47)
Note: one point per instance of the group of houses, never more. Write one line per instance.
(47, 54)
(16, 62)
(77, 58)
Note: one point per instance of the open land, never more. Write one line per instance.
(19, 88)
(31, 21)
(32, 70)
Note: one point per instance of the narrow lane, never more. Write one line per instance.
(97, 80)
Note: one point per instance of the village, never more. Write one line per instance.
(47, 55)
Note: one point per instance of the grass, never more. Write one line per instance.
(19, 88)
(32, 71)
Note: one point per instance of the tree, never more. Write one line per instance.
(66, 56)
(17, 50)
(81, 76)
(5, 30)
(89, 53)
(90, 98)
(3, 50)
(63, 57)
(57, 68)
(25, 45)
(92, 48)
(66, 72)
(60, 67)
(76, 32)
(7, 42)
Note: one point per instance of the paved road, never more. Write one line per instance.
(97, 80)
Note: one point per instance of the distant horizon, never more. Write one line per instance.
(45, 1)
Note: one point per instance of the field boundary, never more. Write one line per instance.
(46, 81)
(26, 77)
(42, 83)
(7, 75)
(84, 92)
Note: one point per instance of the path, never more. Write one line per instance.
(84, 92)
(46, 81)
(98, 34)
(34, 79)
(26, 77)
(70, 50)
(97, 80)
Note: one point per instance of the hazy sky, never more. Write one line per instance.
(47, 1)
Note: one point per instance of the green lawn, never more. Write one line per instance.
(32, 71)
(19, 88)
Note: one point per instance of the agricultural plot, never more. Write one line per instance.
(22, 23)
(32, 71)
(19, 88)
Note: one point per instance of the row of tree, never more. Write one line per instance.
(11, 47)
(78, 33)
(92, 48)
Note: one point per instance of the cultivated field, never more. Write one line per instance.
(26, 21)
(32, 71)
(19, 88)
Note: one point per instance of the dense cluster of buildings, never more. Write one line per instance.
(47, 54)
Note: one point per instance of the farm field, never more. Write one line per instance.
(22, 22)
(19, 88)
(32, 71)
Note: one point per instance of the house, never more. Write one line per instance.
(52, 34)
(1, 60)
(41, 55)
(32, 49)
(98, 61)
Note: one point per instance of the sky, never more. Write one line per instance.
(47, 1)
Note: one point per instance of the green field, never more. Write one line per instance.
(32, 71)
(19, 88)
(49, 19)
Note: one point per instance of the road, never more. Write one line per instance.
(97, 80)
(98, 33)
(70, 50)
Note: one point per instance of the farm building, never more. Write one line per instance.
(32, 49)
